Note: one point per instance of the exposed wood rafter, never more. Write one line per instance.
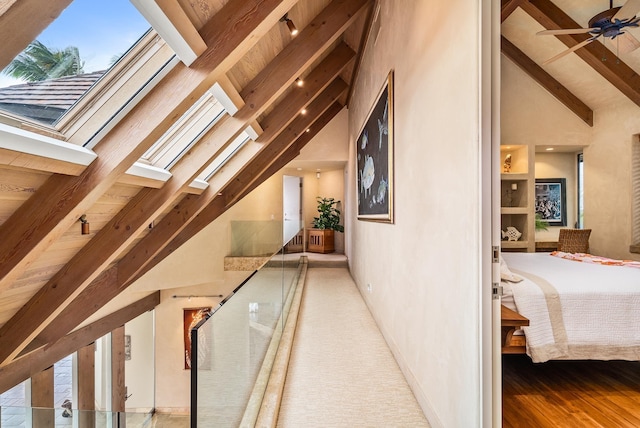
(83, 268)
(15, 35)
(61, 200)
(207, 211)
(24, 367)
(547, 81)
(508, 6)
(595, 54)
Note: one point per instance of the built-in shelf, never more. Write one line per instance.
(517, 195)
(515, 244)
(514, 210)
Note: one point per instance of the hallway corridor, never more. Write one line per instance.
(341, 372)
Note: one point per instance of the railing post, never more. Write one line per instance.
(194, 377)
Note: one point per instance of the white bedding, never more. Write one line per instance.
(576, 310)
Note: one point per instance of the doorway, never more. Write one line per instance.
(291, 207)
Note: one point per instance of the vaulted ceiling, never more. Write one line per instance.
(595, 76)
(52, 278)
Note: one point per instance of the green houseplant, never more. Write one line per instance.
(321, 237)
(328, 215)
(540, 224)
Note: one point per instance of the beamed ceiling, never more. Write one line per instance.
(52, 278)
(595, 76)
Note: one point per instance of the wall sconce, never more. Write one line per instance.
(84, 226)
(290, 25)
(318, 175)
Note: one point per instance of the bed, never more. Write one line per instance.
(577, 309)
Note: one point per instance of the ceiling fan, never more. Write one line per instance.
(608, 24)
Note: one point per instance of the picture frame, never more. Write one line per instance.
(374, 159)
(551, 200)
(191, 317)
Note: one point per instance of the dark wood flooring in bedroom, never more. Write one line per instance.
(570, 393)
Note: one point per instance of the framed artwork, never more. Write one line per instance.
(191, 317)
(551, 200)
(127, 347)
(374, 159)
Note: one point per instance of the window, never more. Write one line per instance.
(185, 132)
(580, 192)
(68, 58)
(635, 195)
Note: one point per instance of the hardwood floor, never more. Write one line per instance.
(570, 393)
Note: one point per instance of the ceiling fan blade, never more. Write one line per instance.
(565, 31)
(568, 51)
(626, 43)
(629, 10)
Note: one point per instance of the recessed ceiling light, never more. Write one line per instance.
(549, 149)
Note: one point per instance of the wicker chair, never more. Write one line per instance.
(574, 240)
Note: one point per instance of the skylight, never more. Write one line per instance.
(185, 132)
(68, 57)
(224, 157)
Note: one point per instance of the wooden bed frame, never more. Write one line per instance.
(512, 321)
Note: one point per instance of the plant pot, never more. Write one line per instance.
(321, 241)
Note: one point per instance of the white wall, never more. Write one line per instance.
(140, 369)
(424, 269)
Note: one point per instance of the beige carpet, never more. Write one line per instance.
(342, 373)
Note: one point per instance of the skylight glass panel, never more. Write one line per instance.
(68, 58)
(224, 157)
(185, 132)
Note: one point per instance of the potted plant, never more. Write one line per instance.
(321, 237)
(540, 224)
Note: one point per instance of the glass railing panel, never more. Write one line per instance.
(26, 417)
(235, 345)
(255, 238)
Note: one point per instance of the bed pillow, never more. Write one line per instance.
(506, 274)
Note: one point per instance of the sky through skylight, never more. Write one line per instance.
(100, 29)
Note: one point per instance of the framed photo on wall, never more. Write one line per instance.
(374, 159)
(551, 200)
(191, 317)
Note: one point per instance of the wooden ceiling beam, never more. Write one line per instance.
(554, 87)
(69, 282)
(195, 213)
(315, 83)
(290, 152)
(21, 21)
(102, 290)
(301, 123)
(595, 54)
(333, 19)
(24, 367)
(133, 265)
(61, 200)
(508, 6)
